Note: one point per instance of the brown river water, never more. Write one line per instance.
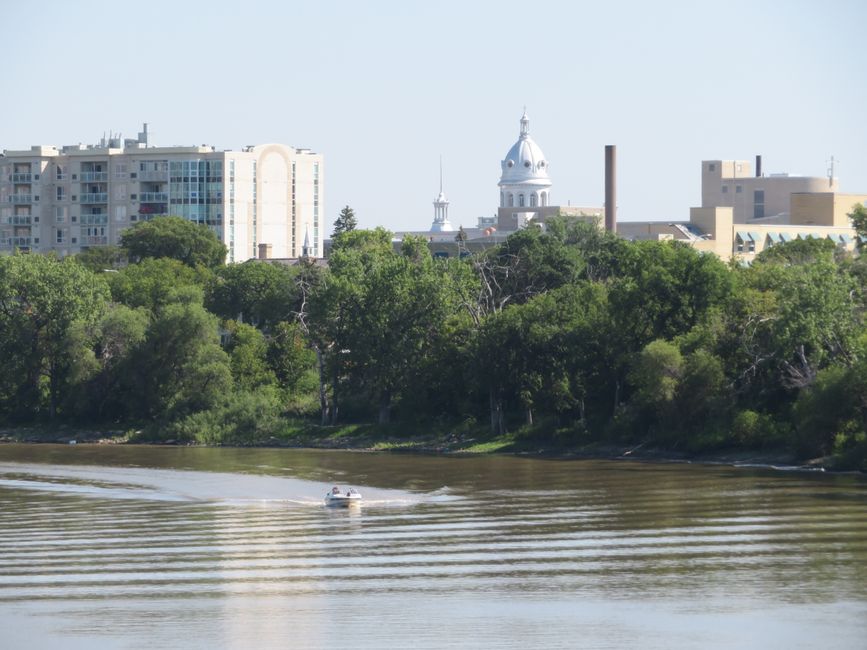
(155, 547)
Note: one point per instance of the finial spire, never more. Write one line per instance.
(525, 124)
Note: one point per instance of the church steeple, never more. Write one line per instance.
(441, 209)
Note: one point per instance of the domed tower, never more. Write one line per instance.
(525, 183)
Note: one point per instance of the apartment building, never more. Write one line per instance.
(74, 197)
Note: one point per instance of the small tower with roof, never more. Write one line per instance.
(441, 209)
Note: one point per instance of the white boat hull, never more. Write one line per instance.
(342, 500)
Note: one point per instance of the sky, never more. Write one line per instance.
(385, 89)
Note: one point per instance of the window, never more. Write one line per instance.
(521, 200)
(533, 200)
(60, 172)
(711, 167)
(511, 200)
(59, 236)
(725, 189)
(758, 204)
(60, 213)
(739, 189)
(61, 194)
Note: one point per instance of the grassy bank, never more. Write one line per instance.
(394, 438)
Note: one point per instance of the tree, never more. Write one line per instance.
(858, 217)
(798, 251)
(289, 355)
(180, 367)
(345, 222)
(101, 258)
(155, 283)
(188, 242)
(259, 293)
(42, 302)
(96, 392)
(247, 350)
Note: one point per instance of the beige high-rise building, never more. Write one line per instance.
(75, 197)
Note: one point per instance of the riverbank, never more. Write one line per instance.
(375, 438)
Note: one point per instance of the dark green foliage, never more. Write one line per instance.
(258, 293)
(102, 258)
(174, 237)
(567, 333)
(154, 283)
(345, 222)
(47, 311)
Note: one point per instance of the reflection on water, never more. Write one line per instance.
(143, 547)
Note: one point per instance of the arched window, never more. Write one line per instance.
(544, 198)
(533, 200)
(502, 200)
(511, 200)
(521, 200)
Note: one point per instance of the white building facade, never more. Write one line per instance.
(75, 197)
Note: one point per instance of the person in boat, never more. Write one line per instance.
(335, 490)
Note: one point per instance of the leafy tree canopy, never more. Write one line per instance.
(180, 239)
(101, 258)
(255, 292)
(155, 283)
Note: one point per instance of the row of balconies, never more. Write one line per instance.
(91, 197)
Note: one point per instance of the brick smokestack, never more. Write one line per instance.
(610, 188)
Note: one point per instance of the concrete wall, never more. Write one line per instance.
(824, 208)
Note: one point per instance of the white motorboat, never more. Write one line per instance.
(336, 497)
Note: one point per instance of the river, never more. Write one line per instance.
(162, 547)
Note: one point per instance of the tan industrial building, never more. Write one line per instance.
(75, 197)
(744, 213)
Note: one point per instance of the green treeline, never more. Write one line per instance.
(570, 334)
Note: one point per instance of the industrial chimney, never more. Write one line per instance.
(610, 188)
(758, 166)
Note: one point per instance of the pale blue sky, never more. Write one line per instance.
(382, 89)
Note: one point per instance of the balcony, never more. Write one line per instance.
(20, 241)
(90, 240)
(154, 175)
(143, 216)
(97, 197)
(98, 219)
(20, 220)
(153, 197)
(94, 177)
(20, 199)
(22, 178)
